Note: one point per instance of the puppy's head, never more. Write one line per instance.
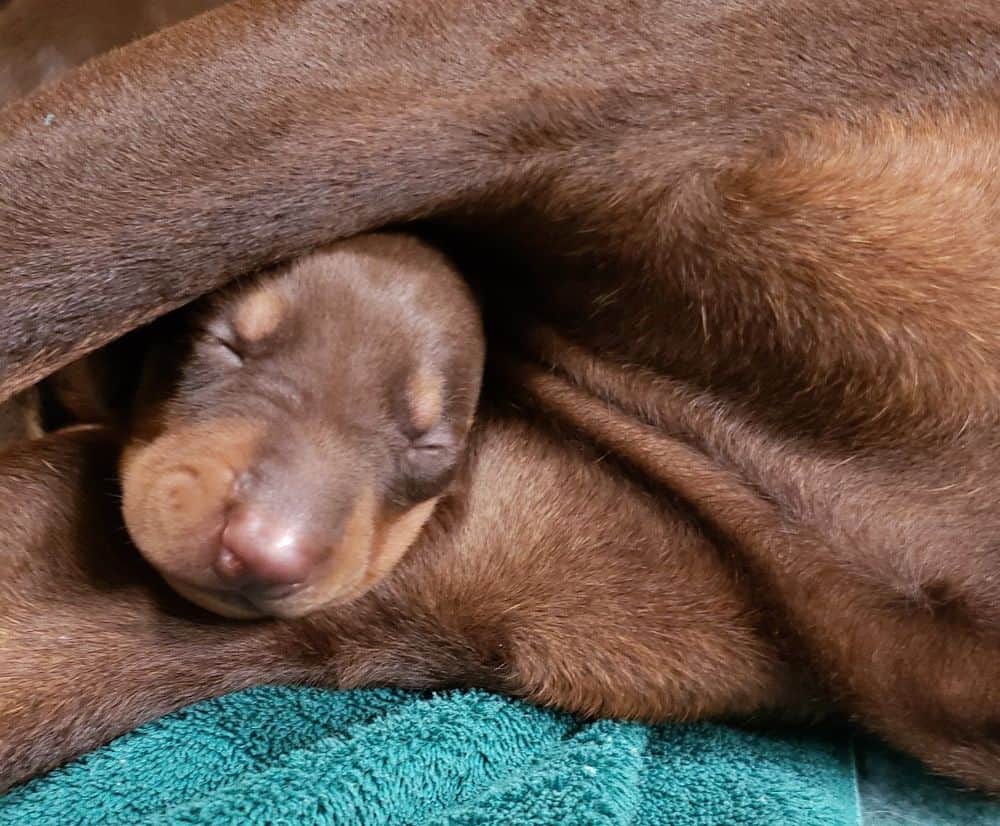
(292, 435)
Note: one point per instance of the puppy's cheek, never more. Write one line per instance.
(176, 491)
(174, 513)
(340, 579)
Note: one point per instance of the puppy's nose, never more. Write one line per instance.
(261, 552)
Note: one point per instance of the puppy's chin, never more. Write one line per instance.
(236, 606)
(231, 606)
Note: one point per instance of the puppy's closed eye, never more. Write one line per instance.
(222, 343)
(427, 464)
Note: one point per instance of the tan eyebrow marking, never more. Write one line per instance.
(259, 314)
(425, 398)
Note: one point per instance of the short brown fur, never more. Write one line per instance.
(762, 235)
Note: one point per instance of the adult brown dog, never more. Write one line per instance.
(761, 236)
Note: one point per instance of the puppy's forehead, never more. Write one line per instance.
(342, 316)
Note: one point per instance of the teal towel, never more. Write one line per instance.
(303, 756)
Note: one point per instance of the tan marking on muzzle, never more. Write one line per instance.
(354, 549)
(175, 490)
(224, 606)
(393, 538)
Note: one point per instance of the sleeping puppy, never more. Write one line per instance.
(290, 437)
(275, 465)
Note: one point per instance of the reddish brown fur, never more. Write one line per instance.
(605, 602)
(763, 235)
(39, 41)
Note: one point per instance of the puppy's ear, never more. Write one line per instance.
(429, 463)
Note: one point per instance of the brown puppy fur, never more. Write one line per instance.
(607, 601)
(291, 436)
(760, 231)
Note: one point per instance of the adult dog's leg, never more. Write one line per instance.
(239, 137)
(265, 127)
